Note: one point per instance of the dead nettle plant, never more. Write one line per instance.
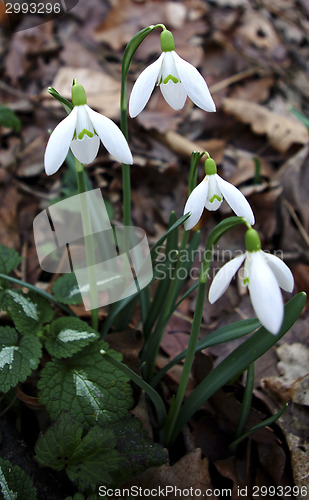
(83, 383)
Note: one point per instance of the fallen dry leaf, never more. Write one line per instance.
(293, 383)
(189, 472)
(282, 131)
(103, 91)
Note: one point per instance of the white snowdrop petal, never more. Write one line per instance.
(281, 271)
(214, 196)
(86, 149)
(174, 94)
(59, 142)
(265, 293)
(195, 204)
(111, 136)
(236, 200)
(143, 87)
(223, 278)
(194, 84)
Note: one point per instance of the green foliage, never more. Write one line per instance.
(68, 336)
(66, 290)
(87, 459)
(9, 119)
(9, 260)
(29, 311)
(138, 452)
(18, 357)
(14, 483)
(88, 386)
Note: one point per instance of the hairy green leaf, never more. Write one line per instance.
(28, 310)
(87, 385)
(14, 483)
(68, 336)
(66, 290)
(9, 259)
(18, 357)
(87, 459)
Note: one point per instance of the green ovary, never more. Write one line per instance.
(246, 281)
(215, 197)
(83, 133)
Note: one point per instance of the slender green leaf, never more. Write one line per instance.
(238, 361)
(68, 106)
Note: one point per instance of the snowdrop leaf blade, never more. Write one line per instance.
(265, 293)
(281, 271)
(174, 94)
(85, 150)
(111, 137)
(143, 87)
(195, 204)
(59, 142)
(236, 200)
(223, 278)
(194, 84)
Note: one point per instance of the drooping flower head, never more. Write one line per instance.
(210, 194)
(81, 131)
(176, 77)
(264, 274)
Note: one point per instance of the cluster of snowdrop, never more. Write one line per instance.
(83, 129)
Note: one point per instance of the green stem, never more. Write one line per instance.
(152, 393)
(246, 404)
(195, 330)
(89, 245)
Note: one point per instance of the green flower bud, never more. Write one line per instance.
(79, 97)
(252, 241)
(167, 41)
(210, 167)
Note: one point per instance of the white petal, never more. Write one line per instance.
(214, 196)
(223, 278)
(85, 150)
(59, 142)
(194, 84)
(265, 293)
(143, 87)
(236, 200)
(111, 136)
(281, 271)
(195, 204)
(174, 94)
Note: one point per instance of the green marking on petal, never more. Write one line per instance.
(170, 77)
(215, 197)
(83, 133)
(246, 281)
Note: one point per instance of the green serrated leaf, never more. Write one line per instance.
(138, 452)
(14, 483)
(88, 386)
(9, 260)
(28, 310)
(88, 460)
(68, 336)
(17, 357)
(9, 119)
(66, 290)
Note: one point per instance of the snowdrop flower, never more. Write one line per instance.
(81, 131)
(210, 193)
(176, 77)
(264, 274)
